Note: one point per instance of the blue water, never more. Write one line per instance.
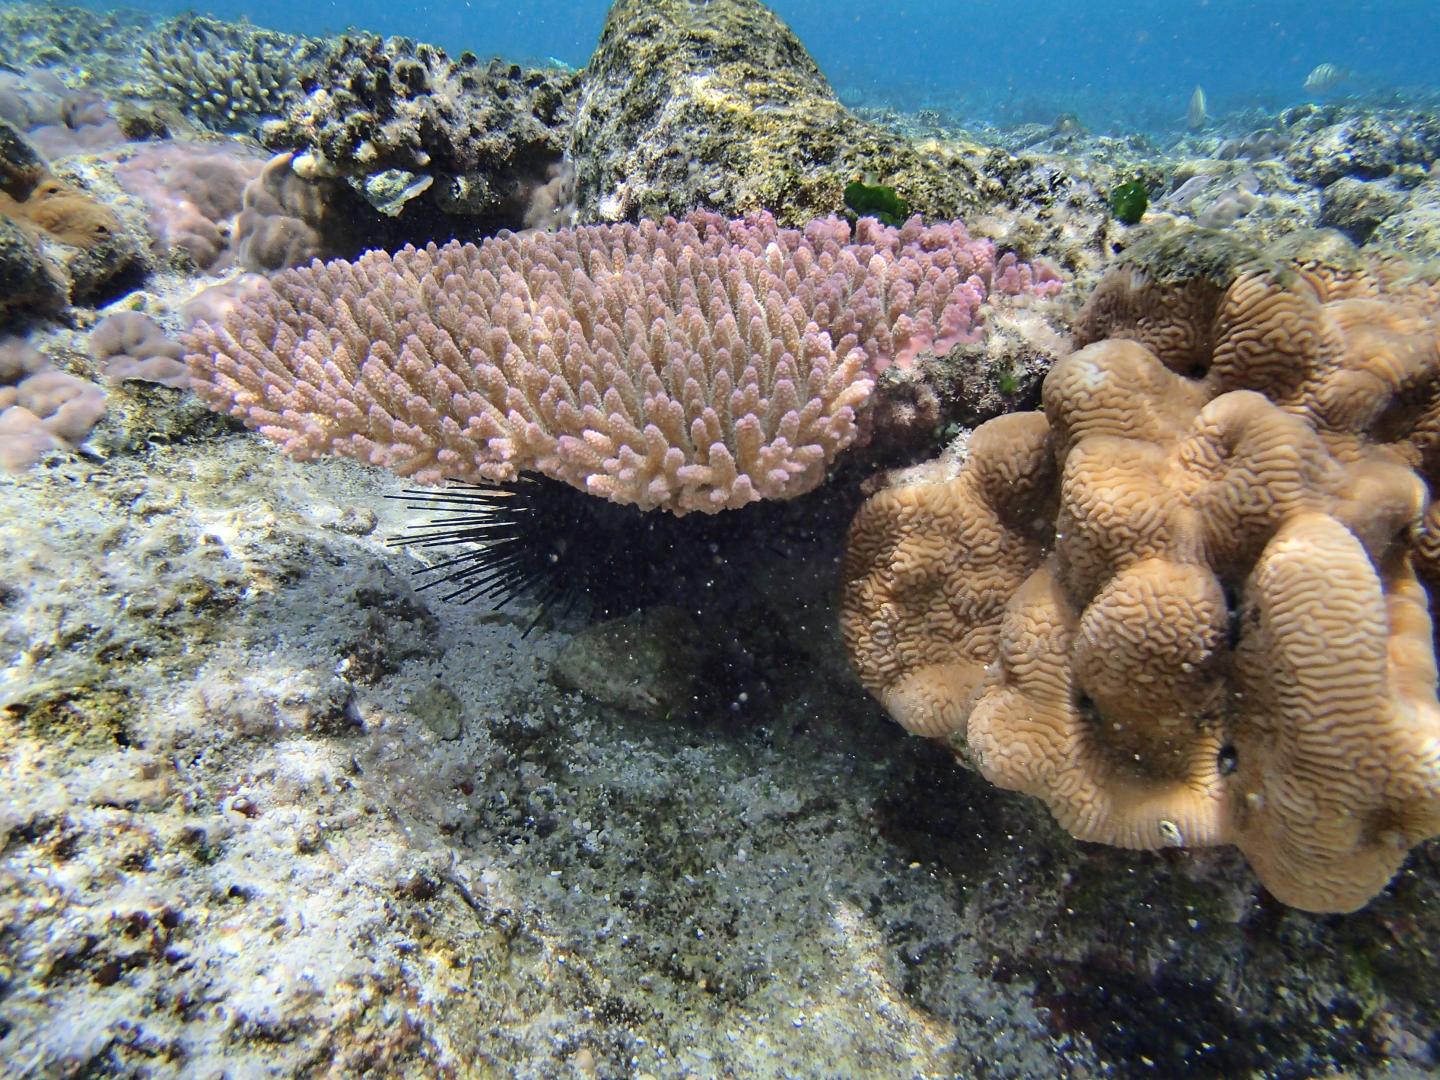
(1124, 65)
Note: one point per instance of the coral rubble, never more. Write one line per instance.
(51, 35)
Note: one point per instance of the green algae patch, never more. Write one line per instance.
(877, 201)
(1128, 202)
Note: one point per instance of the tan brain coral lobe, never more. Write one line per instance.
(1181, 605)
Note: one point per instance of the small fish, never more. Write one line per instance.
(1195, 114)
(1325, 77)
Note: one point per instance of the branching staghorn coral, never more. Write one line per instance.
(1182, 605)
(228, 76)
(692, 365)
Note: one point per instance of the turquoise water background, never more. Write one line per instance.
(1125, 65)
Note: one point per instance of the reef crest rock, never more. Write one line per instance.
(718, 105)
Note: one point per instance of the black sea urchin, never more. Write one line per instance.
(550, 542)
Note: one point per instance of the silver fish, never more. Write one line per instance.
(1195, 114)
(1325, 77)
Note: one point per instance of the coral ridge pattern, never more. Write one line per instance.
(1184, 609)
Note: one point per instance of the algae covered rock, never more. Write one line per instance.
(1364, 145)
(1357, 207)
(475, 141)
(691, 104)
(60, 231)
(26, 281)
(646, 663)
(20, 165)
(1415, 227)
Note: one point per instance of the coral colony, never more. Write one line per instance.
(1100, 461)
(1184, 608)
(686, 365)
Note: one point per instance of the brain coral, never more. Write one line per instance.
(1181, 606)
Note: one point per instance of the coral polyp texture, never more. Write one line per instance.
(41, 409)
(228, 76)
(1181, 606)
(686, 365)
